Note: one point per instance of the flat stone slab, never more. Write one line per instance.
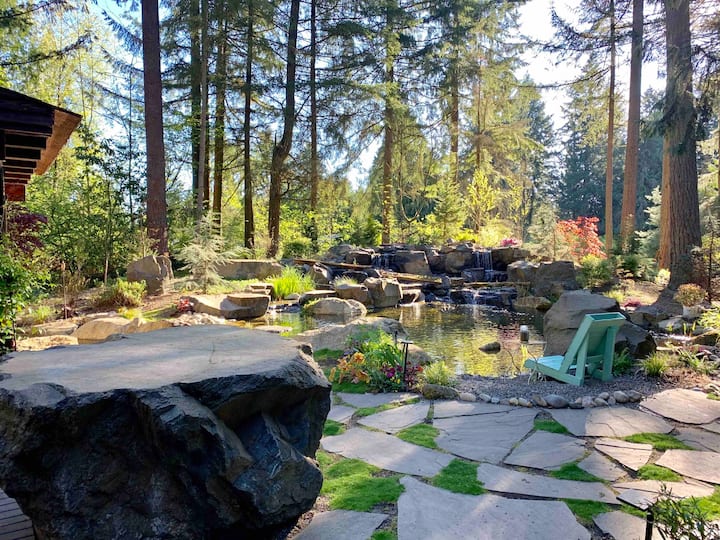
(631, 455)
(342, 525)
(340, 413)
(642, 493)
(544, 450)
(601, 467)
(623, 526)
(387, 452)
(484, 437)
(609, 422)
(704, 466)
(714, 427)
(432, 513)
(394, 420)
(375, 400)
(507, 481)
(700, 439)
(448, 409)
(686, 406)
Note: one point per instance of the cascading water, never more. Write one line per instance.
(381, 261)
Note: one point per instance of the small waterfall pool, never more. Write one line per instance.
(454, 334)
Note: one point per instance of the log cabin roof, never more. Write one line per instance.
(32, 133)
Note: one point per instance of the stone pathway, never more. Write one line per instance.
(513, 463)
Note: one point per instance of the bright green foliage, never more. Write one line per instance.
(622, 362)
(290, 281)
(333, 428)
(122, 293)
(585, 511)
(420, 434)
(438, 373)
(384, 535)
(550, 425)
(327, 354)
(656, 364)
(659, 441)
(367, 411)
(633, 511)
(595, 271)
(656, 472)
(687, 518)
(350, 484)
(711, 505)
(570, 471)
(205, 254)
(38, 314)
(460, 477)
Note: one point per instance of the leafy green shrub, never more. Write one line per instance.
(683, 518)
(344, 280)
(656, 364)
(17, 285)
(297, 247)
(38, 314)
(622, 362)
(690, 294)
(616, 295)
(205, 254)
(438, 373)
(595, 271)
(291, 280)
(121, 293)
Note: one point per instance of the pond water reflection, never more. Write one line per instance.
(454, 333)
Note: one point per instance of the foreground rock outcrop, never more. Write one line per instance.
(184, 433)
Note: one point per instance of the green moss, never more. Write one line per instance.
(384, 535)
(367, 411)
(550, 425)
(656, 472)
(710, 506)
(633, 511)
(659, 441)
(324, 460)
(460, 477)
(585, 511)
(350, 484)
(333, 428)
(570, 471)
(714, 397)
(421, 434)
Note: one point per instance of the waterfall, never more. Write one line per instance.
(381, 261)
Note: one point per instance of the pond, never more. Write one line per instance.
(454, 333)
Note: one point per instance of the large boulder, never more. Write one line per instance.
(154, 270)
(249, 269)
(337, 308)
(352, 291)
(505, 256)
(458, 259)
(384, 292)
(563, 319)
(97, 330)
(336, 336)
(313, 295)
(185, 433)
(521, 271)
(338, 253)
(362, 256)
(554, 278)
(235, 306)
(412, 262)
(321, 274)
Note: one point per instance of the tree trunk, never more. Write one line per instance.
(388, 161)
(203, 191)
(219, 143)
(156, 202)
(247, 170)
(195, 93)
(282, 149)
(680, 215)
(314, 175)
(610, 139)
(629, 201)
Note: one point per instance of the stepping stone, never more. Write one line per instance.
(386, 452)
(623, 526)
(714, 427)
(394, 420)
(448, 409)
(432, 513)
(601, 467)
(340, 413)
(609, 422)
(342, 525)
(484, 437)
(700, 439)
(632, 455)
(642, 493)
(374, 400)
(543, 450)
(507, 481)
(703, 466)
(686, 406)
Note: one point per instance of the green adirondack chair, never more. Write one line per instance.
(590, 352)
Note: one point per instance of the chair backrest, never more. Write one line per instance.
(593, 332)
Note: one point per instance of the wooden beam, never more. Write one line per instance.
(22, 164)
(16, 180)
(17, 176)
(15, 192)
(24, 141)
(22, 170)
(333, 264)
(30, 129)
(29, 154)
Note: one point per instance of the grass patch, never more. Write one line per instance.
(350, 485)
(714, 397)
(421, 434)
(460, 477)
(327, 354)
(333, 428)
(710, 506)
(384, 535)
(633, 511)
(571, 471)
(659, 441)
(160, 313)
(585, 511)
(656, 472)
(550, 425)
(367, 411)
(290, 281)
